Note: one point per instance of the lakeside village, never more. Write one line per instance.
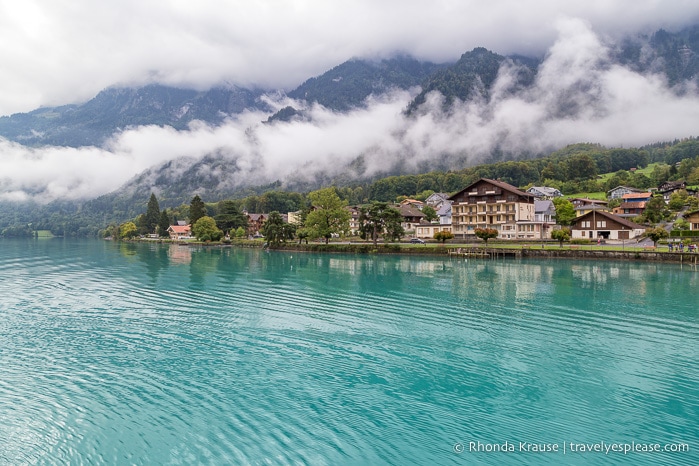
(486, 209)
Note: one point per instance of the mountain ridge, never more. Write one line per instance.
(342, 88)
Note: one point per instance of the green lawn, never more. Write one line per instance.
(602, 196)
(646, 171)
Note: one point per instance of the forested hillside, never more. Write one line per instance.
(573, 169)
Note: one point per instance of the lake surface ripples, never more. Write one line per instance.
(153, 354)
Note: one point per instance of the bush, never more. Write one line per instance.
(580, 241)
(684, 233)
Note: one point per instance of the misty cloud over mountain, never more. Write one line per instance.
(581, 93)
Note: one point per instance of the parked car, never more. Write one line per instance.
(417, 241)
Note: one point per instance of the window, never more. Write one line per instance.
(601, 224)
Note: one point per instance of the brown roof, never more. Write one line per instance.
(633, 205)
(616, 218)
(499, 184)
(636, 195)
(406, 210)
(180, 228)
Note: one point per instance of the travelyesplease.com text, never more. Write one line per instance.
(570, 447)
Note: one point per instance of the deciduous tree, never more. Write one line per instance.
(486, 233)
(205, 229)
(429, 213)
(328, 216)
(656, 234)
(565, 211)
(656, 210)
(443, 236)
(128, 230)
(561, 235)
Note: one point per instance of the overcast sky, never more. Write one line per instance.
(65, 51)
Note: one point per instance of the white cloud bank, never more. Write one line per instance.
(579, 96)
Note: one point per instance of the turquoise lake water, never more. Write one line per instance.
(144, 354)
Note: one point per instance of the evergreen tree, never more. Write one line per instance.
(380, 219)
(197, 210)
(163, 224)
(229, 217)
(152, 214)
(275, 230)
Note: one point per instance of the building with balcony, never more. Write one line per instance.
(493, 204)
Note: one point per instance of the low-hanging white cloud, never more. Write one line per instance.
(579, 96)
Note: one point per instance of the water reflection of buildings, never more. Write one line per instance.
(389, 264)
(180, 254)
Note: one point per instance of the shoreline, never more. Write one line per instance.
(519, 251)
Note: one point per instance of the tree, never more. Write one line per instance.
(429, 213)
(128, 230)
(152, 214)
(681, 224)
(328, 216)
(205, 229)
(486, 233)
(164, 223)
(276, 231)
(303, 234)
(565, 212)
(380, 219)
(560, 235)
(141, 224)
(581, 167)
(240, 232)
(229, 217)
(677, 200)
(656, 234)
(443, 236)
(197, 210)
(656, 210)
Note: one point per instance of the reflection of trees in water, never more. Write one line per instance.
(204, 261)
(152, 256)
